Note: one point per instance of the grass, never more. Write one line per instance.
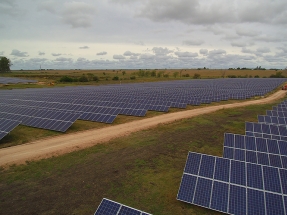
(142, 170)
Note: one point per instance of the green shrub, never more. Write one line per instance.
(96, 78)
(133, 77)
(115, 78)
(66, 79)
(83, 78)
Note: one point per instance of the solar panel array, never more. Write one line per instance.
(8, 80)
(250, 178)
(58, 108)
(6, 126)
(109, 207)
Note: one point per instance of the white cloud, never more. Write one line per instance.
(119, 57)
(246, 32)
(50, 6)
(193, 42)
(102, 53)
(18, 53)
(129, 53)
(161, 51)
(56, 54)
(186, 54)
(238, 44)
(84, 47)
(203, 51)
(41, 53)
(217, 52)
(263, 50)
(78, 14)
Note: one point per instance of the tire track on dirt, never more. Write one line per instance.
(66, 143)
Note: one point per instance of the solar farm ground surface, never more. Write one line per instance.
(142, 170)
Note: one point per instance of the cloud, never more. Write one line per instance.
(78, 14)
(18, 53)
(140, 43)
(129, 53)
(246, 32)
(41, 53)
(63, 59)
(9, 7)
(146, 56)
(203, 51)
(193, 42)
(102, 53)
(238, 44)
(37, 60)
(119, 57)
(55, 55)
(186, 54)
(263, 50)
(217, 52)
(188, 11)
(50, 6)
(161, 51)
(1, 53)
(84, 47)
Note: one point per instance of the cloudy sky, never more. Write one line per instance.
(108, 34)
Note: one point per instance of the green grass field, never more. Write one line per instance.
(142, 170)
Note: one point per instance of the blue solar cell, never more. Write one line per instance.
(237, 174)
(108, 208)
(255, 202)
(239, 154)
(229, 139)
(128, 211)
(284, 161)
(274, 130)
(254, 176)
(222, 168)
(274, 204)
(228, 152)
(192, 163)
(271, 179)
(207, 166)
(239, 142)
(272, 146)
(283, 177)
(275, 160)
(257, 127)
(248, 126)
(251, 157)
(261, 145)
(261, 118)
(203, 192)
(187, 187)
(266, 129)
(237, 200)
(263, 158)
(250, 143)
(219, 199)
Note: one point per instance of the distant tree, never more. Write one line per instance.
(83, 78)
(123, 72)
(196, 76)
(5, 64)
(175, 74)
(277, 75)
(96, 78)
(153, 73)
(90, 76)
(66, 79)
(133, 77)
(256, 76)
(115, 78)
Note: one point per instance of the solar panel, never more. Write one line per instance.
(233, 187)
(7, 125)
(109, 207)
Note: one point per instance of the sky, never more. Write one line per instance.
(143, 34)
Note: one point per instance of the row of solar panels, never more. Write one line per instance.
(8, 80)
(250, 178)
(36, 107)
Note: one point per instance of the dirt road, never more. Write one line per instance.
(72, 142)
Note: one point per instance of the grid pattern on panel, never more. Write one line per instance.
(277, 120)
(268, 131)
(109, 207)
(257, 150)
(249, 188)
(7, 125)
